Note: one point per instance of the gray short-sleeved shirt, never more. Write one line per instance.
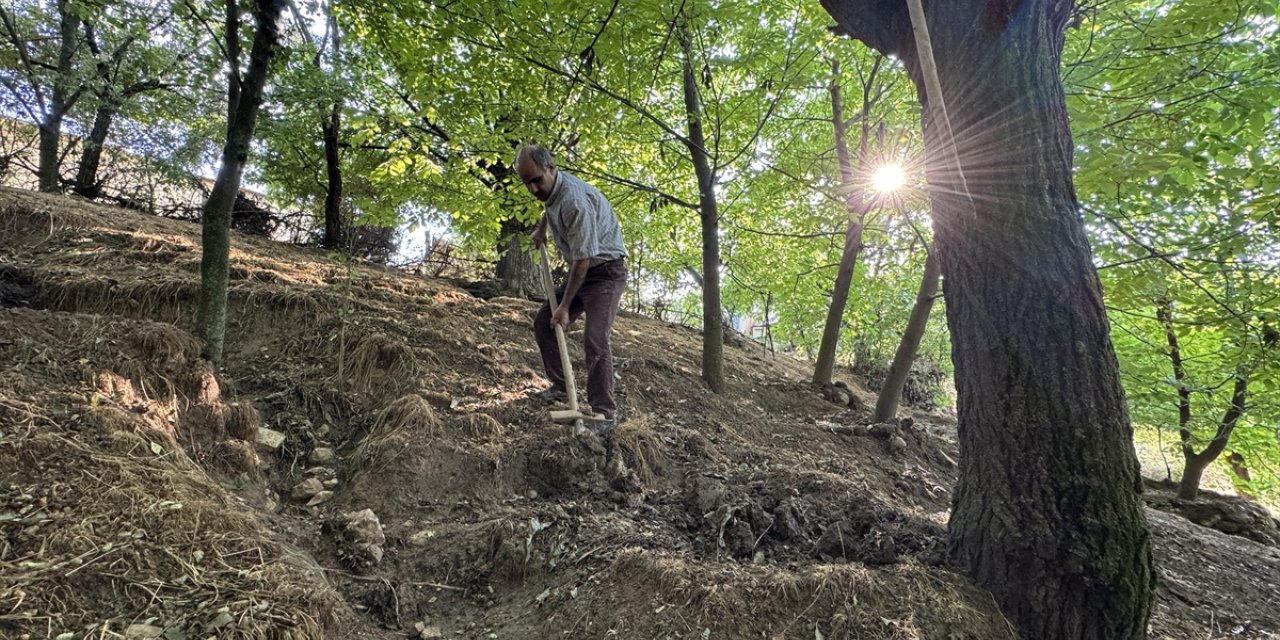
(582, 222)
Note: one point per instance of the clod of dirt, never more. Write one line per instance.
(321, 455)
(897, 444)
(789, 521)
(362, 538)
(704, 496)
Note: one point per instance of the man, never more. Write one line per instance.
(587, 234)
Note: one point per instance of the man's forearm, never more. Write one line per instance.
(577, 274)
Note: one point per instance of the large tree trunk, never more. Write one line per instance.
(891, 390)
(858, 206)
(216, 215)
(1046, 513)
(712, 324)
(517, 273)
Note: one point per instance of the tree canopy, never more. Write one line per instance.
(1172, 106)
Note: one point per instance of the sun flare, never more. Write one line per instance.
(888, 178)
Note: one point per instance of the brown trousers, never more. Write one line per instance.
(598, 297)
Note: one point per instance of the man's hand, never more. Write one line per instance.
(560, 317)
(539, 235)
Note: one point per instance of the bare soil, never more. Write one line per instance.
(420, 490)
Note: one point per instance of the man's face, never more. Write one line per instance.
(537, 180)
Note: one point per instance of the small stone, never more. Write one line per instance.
(320, 498)
(421, 538)
(322, 455)
(897, 444)
(532, 495)
(269, 439)
(330, 483)
(142, 632)
(307, 488)
(884, 430)
(428, 631)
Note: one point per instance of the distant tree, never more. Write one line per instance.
(896, 379)
(129, 59)
(51, 79)
(244, 97)
(858, 205)
(1047, 459)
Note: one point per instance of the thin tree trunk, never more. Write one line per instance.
(216, 215)
(87, 184)
(1164, 315)
(64, 95)
(334, 222)
(1197, 463)
(858, 207)
(891, 390)
(231, 42)
(335, 227)
(712, 324)
(1046, 447)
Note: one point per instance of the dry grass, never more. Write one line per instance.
(165, 343)
(481, 426)
(409, 417)
(119, 523)
(641, 446)
(35, 219)
(377, 357)
(242, 421)
(164, 299)
(905, 602)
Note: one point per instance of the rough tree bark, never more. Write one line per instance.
(712, 324)
(216, 214)
(858, 206)
(891, 390)
(1047, 513)
(516, 272)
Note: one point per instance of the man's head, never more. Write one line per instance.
(537, 170)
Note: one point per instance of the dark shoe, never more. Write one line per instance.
(602, 427)
(551, 395)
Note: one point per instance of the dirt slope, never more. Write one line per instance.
(419, 491)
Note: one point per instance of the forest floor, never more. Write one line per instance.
(372, 463)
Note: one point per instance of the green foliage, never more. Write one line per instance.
(1173, 108)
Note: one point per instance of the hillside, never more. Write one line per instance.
(371, 464)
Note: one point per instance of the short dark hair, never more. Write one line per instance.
(538, 154)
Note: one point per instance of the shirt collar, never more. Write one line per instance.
(556, 188)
